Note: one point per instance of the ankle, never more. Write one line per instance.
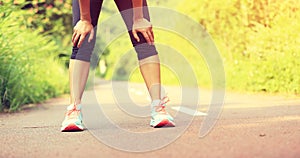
(76, 102)
(155, 102)
(72, 106)
(154, 105)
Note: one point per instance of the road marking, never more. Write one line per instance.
(139, 93)
(188, 111)
(148, 98)
(177, 108)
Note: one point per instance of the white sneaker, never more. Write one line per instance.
(159, 116)
(73, 119)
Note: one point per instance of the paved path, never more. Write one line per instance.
(249, 126)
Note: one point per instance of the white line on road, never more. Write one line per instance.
(188, 111)
(139, 93)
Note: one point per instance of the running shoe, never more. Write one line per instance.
(159, 116)
(73, 119)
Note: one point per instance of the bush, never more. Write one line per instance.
(29, 69)
(51, 17)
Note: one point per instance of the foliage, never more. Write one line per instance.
(259, 40)
(50, 17)
(29, 69)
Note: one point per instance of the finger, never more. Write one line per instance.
(74, 34)
(152, 34)
(150, 37)
(73, 37)
(134, 33)
(75, 41)
(91, 35)
(81, 39)
(146, 37)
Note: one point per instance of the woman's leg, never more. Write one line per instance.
(80, 59)
(147, 54)
(149, 65)
(150, 69)
(78, 74)
(79, 69)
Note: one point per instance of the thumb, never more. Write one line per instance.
(134, 33)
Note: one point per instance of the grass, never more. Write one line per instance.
(30, 70)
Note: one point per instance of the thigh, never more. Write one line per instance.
(95, 8)
(142, 48)
(125, 8)
(85, 51)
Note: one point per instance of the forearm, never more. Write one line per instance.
(85, 14)
(137, 9)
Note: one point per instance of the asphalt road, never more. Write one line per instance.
(117, 125)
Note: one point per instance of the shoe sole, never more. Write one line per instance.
(164, 123)
(72, 128)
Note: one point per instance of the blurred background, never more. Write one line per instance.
(258, 40)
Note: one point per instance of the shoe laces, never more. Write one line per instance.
(73, 113)
(162, 105)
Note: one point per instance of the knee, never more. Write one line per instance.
(145, 50)
(142, 48)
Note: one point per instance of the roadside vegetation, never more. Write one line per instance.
(258, 40)
(30, 68)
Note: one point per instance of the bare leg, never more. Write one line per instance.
(78, 74)
(150, 69)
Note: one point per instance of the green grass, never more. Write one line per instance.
(30, 70)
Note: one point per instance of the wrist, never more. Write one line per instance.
(138, 18)
(138, 13)
(86, 19)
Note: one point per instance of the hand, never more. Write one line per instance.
(81, 29)
(145, 27)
